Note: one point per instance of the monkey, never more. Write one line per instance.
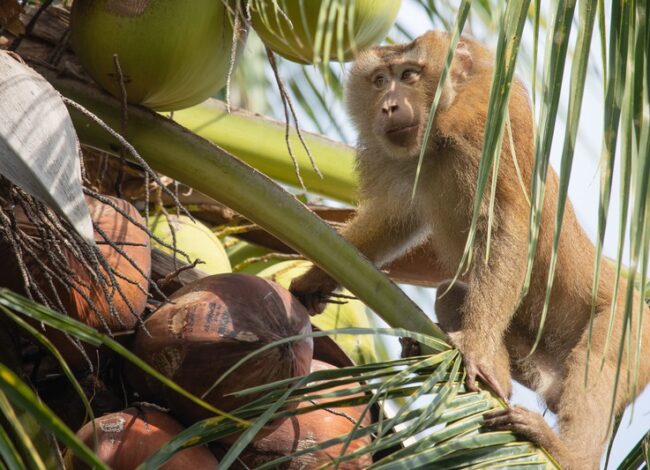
(389, 92)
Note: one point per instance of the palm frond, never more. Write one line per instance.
(17, 303)
(513, 20)
(22, 396)
(445, 419)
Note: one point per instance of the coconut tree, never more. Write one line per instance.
(237, 159)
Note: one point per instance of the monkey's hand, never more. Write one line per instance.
(312, 289)
(479, 364)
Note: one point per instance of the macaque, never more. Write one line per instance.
(389, 93)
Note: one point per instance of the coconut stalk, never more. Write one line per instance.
(184, 156)
(232, 132)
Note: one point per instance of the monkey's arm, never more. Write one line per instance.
(492, 298)
(381, 233)
(494, 286)
(379, 237)
(449, 301)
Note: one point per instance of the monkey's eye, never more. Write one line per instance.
(379, 81)
(409, 74)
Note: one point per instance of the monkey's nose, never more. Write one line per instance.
(389, 108)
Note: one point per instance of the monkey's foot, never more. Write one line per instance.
(410, 347)
(532, 426)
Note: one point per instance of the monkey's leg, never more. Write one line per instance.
(583, 416)
(583, 411)
(448, 310)
(378, 237)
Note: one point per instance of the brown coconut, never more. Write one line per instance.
(129, 238)
(206, 328)
(310, 429)
(120, 230)
(127, 438)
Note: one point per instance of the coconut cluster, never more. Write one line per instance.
(198, 337)
(159, 280)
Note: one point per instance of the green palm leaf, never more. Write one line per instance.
(436, 378)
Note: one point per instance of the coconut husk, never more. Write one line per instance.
(206, 328)
(302, 431)
(104, 286)
(128, 437)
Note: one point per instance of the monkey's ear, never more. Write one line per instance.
(462, 64)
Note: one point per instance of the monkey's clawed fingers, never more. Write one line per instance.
(314, 302)
(517, 419)
(475, 367)
(475, 370)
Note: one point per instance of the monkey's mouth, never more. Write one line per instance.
(403, 136)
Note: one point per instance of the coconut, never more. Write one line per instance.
(130, 240)
(290, 27)
(210, 325)
(172, 56)
(241, 252)
(352, 314)
(133, 242)
(311, 429)
(127, 438)
(192, 238)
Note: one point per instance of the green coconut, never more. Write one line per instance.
(291, 27)
(193, 238)
(244, 257)
(360, 348)
(172, 55)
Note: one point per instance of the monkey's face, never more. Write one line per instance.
(386, 100)
(398, 90)
(390, 90)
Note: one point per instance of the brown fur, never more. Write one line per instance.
(483, 320)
